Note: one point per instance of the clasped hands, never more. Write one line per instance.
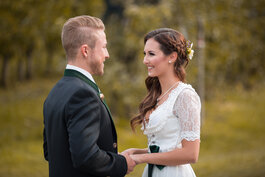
(132, 157)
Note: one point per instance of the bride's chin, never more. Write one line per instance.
(151, 74)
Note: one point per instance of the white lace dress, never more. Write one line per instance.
(176, 119)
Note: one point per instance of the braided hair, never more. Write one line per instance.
(170, 41)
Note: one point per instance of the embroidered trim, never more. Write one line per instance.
(168, 104)
(190, 135)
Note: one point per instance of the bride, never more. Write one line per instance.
(170, 113)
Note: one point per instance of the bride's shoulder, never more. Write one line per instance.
(186, 91)
(189, 96)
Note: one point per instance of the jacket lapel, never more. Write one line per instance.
(74, 73)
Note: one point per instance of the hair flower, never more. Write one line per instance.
(190, 52)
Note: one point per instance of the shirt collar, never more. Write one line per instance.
(84, 72)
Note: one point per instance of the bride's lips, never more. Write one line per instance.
(149, 68)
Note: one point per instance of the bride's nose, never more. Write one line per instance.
(145, 61)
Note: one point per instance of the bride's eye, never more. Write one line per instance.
(151, 53)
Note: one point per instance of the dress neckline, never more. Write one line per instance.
(169, 95)
(164, 103)
(163, 112)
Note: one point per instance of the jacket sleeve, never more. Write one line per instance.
(83, 126)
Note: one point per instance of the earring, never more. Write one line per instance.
(169, 61)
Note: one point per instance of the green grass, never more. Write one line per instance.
(21, 130)
(232, 134)
(232, 140)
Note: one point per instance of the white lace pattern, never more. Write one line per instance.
(176, 119)
(187, 108)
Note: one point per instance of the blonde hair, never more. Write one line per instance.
(78, 31)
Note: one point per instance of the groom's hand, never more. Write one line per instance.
(130, 162)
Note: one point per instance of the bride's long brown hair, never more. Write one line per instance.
(170, 41)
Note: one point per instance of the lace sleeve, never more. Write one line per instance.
(187, 108)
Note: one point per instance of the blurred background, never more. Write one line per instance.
(227, 71)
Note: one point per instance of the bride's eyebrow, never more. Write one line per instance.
(149, 51)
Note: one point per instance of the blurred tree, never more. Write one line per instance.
(26, 30)
(25, 37)
(246, 63)
(53, 15)
(234, 40)
(8, 33)
(125, 71)
(232, 46)
(113, 7)
(51, 18)
(227, 54)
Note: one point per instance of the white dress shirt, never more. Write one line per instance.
(84, 72)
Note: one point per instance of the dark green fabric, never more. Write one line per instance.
(154, 149)
(74, 73)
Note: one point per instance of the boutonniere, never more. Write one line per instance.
(101, 95)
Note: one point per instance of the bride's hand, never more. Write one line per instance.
(129, 151)
(136, 158)
(135, 151)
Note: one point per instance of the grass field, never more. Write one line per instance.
(232, 135)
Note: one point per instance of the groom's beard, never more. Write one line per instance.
(97, 66)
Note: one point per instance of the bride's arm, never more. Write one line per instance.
(135, 151)
(187, 106)
(189, 153)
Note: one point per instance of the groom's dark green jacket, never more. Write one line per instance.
(79, 135)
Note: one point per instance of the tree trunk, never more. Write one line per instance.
(3, 81)
(49, 64)
(29, 68)
(113, 8)
(29, 63)
(201, 64)
(20, 70)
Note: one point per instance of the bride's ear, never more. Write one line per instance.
(173, 56)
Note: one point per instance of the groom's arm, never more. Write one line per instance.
(83, 126)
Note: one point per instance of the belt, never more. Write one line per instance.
(154, 149)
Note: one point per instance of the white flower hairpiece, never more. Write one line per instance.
(189, 51)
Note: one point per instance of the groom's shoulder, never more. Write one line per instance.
(72, 84)
(68, 86)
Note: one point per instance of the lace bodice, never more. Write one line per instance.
(176, 119)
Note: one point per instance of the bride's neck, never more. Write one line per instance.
(166, 83)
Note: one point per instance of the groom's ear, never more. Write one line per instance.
(85, 50)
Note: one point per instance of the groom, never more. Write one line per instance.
(79, 134)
